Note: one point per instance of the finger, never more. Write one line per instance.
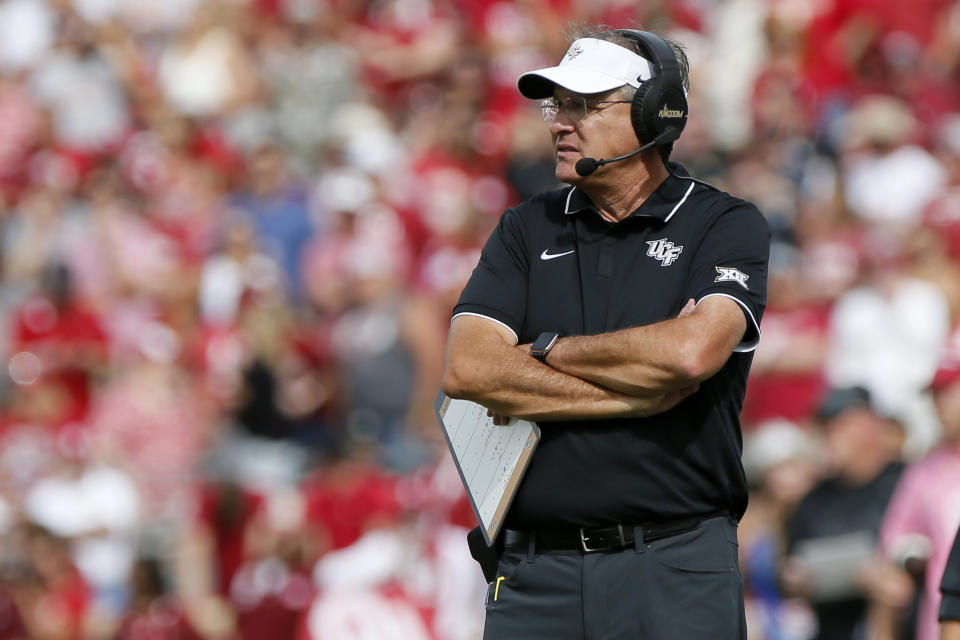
(688, 308)
(686, 391)
(674, 398)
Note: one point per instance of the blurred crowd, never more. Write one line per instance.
(232, 233)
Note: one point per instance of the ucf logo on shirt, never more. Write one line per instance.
(664, 251)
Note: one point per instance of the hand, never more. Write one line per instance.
(950, 630)
(795, 578)
(500, 420)
(688, 308)
(886, 583)
(652, 405)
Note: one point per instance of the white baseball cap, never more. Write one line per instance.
(589, 66)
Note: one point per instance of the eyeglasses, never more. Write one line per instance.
(576, 109)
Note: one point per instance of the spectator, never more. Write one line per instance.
(781, 461)
(29, 30)
(272, 588)
(832, 534)
(861, 350)
(65, 341)
(786, 379)
(278, 211)
(881, 145)
(350, 495)
(154, 612)
(206, 209)
(206, 71)
(55, 600)
(924, 513)
(95, 507)
(83, 94)
(152, 418)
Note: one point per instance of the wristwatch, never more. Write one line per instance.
(542, 345)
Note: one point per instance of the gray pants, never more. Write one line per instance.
(684, 586)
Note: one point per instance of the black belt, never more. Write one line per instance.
(604, 538)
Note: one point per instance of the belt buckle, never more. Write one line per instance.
(588, 549)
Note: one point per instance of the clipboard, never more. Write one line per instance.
(491, 459)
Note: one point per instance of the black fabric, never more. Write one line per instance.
(683, 586)
(594, 540)
(832, 509)
(682, 462)
(487, 557)
(950, 585)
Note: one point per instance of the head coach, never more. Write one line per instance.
(620, 314)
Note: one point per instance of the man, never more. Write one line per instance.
(950, 589)
(920, 523)
(832, 534)
(642, 290)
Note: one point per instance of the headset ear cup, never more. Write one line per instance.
(643, 111)
(672, 110)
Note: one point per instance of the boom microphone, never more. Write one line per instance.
(586, 166)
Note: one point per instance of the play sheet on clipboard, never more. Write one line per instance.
(491, 459)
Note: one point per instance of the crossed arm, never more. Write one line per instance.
(638, 371)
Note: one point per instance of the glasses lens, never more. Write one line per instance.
(575, 108)
(549, 110)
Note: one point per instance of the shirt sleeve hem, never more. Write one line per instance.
(488, 317)
(950, 607)
(752, 335)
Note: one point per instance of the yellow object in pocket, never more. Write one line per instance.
(496, 590)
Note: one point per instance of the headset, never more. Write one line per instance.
(659, 109)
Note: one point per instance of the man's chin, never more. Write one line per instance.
(567, 172)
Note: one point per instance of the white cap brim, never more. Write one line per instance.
(589, 66)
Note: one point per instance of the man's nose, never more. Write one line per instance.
(561, 124)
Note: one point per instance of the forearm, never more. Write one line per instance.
(950, 630)
(655, 358)
(512, 383)
(483, 367)
(638, 361)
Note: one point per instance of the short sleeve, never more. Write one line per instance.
(497, 288)
(950, 585)
(903, 518)
(732, 262)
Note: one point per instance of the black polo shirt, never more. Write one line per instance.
(950, 585)
(554, 264)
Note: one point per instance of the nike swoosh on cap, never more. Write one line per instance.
(550, 256)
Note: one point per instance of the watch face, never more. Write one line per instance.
(543, 342)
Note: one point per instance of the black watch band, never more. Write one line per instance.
(543, 344)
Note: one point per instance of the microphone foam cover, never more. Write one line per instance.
(586, 166)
